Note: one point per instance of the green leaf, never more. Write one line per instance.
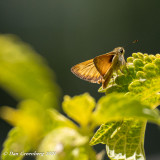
(145, 74)
(24, 74)
(31, 120)
(30, 116)
(146, 91)
(79, 108)
(58, 120)
(16, 144)
(67, 144)
(124, 139)
(116, 106)
(141, 79)
(146, 85)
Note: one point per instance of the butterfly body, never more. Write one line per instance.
(101, 68)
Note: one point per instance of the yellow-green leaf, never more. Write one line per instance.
(16, 144)
(67, 144)
(79, 108)
(24, 74)
(124, 139)
(116, 106)
(59, 120)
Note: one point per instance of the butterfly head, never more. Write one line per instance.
(119, 50)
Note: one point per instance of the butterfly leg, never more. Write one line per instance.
(107, 78)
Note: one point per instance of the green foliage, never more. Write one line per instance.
(59, 120)
(141, 80)
(126, 107)
(68, 143)
(24, 74)
(84, 104)
(38, 128)
(16, 143)
(123, 139)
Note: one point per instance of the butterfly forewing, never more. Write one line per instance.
(104, 62)
(87, 71)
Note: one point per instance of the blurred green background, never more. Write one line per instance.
(72, 31)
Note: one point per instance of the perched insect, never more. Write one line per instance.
(101, 68)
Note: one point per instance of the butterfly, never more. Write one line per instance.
(101, 68)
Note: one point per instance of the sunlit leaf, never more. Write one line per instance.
(30, 119)
(141, 79)
(116, 106)
(28, 123)
(124, 139)
(79, 108)
(24, 74)
(60, 121)
(67, 144)
(16, 144)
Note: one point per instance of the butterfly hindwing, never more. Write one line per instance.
(87, 71)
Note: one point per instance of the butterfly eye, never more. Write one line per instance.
(121, 50)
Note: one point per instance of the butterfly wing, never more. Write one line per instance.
(104, 62)
(87, 71)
